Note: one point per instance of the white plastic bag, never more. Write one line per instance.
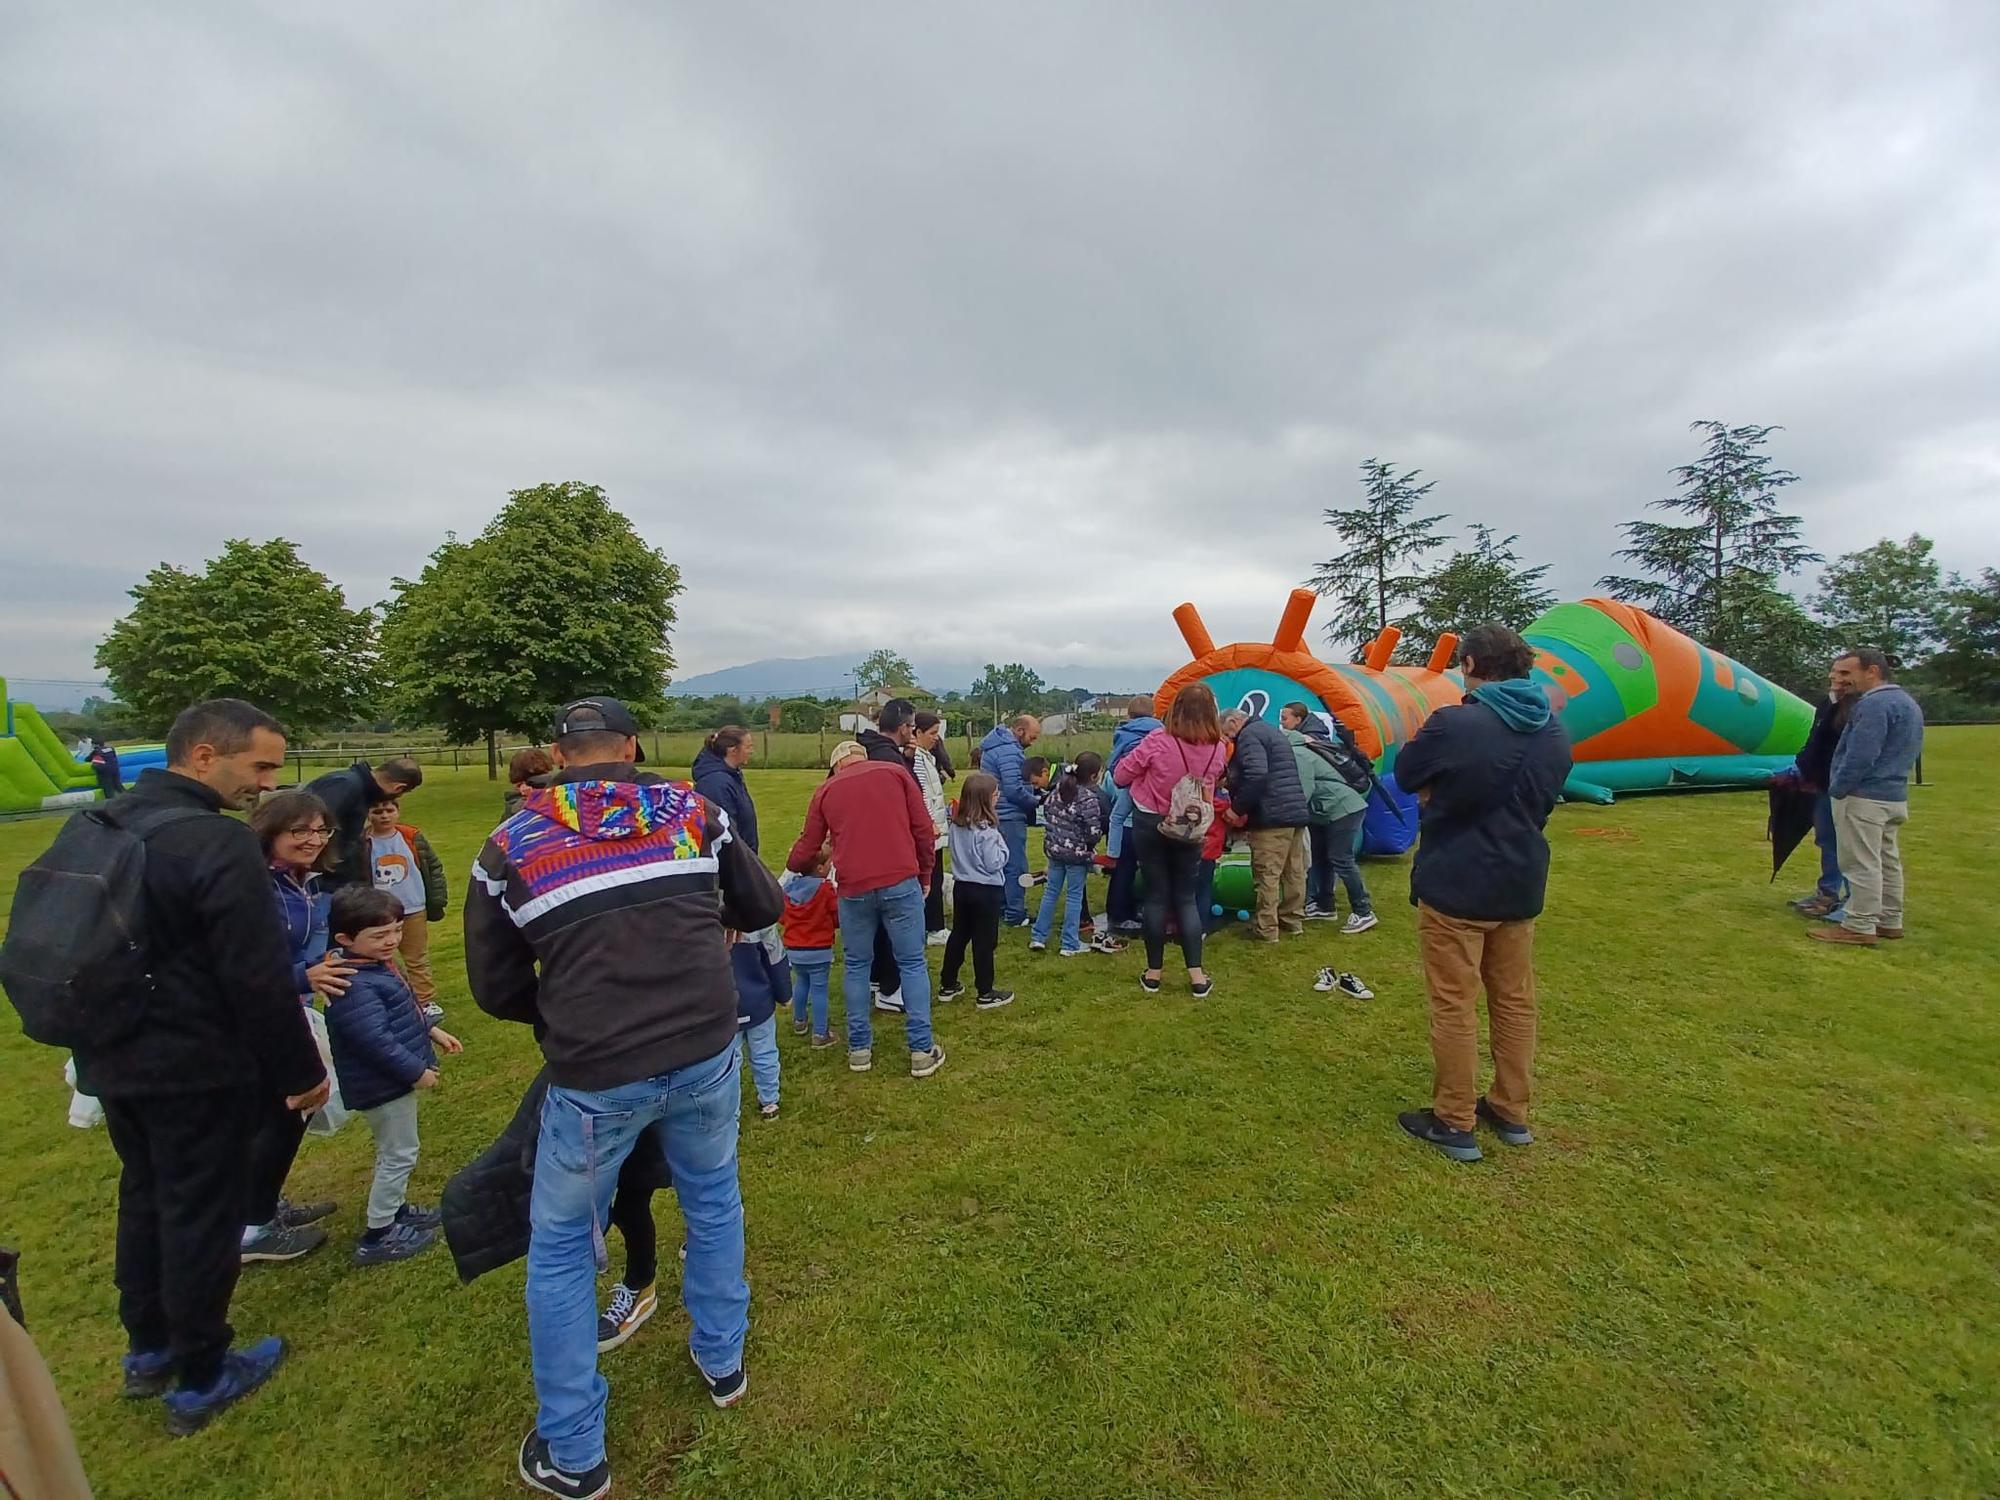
(331, 1115)
(84, 1111)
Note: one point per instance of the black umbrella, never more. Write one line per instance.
(1791, 819)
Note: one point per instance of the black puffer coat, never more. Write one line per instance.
(485, 1205)
(1263, 778)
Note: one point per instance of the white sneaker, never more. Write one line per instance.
(923, 1064)
(936, 939)
(1035, 947)
(1360, 922)
(890, 1002)
(859, 1060)
(1325, 980)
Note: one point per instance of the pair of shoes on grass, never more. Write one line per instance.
(922, 1064)
(1329, 980)
(151, 1374)
(1460, 1145)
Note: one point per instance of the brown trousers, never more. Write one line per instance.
(37, 1454)
(1459, 957)
(1278, 881)
(415, 950)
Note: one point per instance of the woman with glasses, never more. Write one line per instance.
(297, 836)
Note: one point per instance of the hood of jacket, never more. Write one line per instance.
(606, 810)
(798, 888)
(708, 763)
(1522, 706)
(1129, 733)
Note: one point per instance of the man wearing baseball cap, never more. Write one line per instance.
(600, 914)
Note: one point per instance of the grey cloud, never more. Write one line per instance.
(953, 326)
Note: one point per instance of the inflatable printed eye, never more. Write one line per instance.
(1255, 703)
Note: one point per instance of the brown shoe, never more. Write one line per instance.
(1889, 934)
(1842, 935)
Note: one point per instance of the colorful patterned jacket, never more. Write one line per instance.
(596, 914)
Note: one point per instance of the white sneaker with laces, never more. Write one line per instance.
(1360, 922)
(1325, 980)
(893, 1001)
(936, 939)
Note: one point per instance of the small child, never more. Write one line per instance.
(405, 865)
(763, 979)
(527, 770)
(1212, 848)
(383, 1052)
(979, 867)
(812, 920)
(1072, 823)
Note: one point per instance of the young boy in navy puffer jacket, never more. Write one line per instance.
(383, 1052)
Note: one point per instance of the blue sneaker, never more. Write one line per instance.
(147, 1375)
(1428, 1128)
(243, 1370)
(1506, 1129)
(419, 1217)
(1837, 916)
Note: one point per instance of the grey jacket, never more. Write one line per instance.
(1879, 748)
(978, 855)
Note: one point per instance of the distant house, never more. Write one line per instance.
(862, 712)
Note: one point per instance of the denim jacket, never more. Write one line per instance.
(1878, 750)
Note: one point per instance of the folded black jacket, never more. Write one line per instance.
(597, 914)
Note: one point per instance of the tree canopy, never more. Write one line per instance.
(1474, 586)
(1014, 688)
(557, 598)
(1887, 596)
(883, 669)
(258, 622)
(1371, 581)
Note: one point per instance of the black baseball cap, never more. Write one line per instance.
(597, 716)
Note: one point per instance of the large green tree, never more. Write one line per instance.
(1887, 596)
(1476, 585)
(558, 597)
(1735, 548)
(256, 622)
(1372, 581)
(1969, 660)
(1011, 689)
(883, 669)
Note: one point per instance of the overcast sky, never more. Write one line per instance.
(976, 330)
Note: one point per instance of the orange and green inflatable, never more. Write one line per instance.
(1647, 708)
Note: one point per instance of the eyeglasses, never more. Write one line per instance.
(319, 834)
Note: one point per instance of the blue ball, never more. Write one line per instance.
(1243, 916)
(1215, 911)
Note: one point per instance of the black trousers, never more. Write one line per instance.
(181, 1199)
(274, 1146)
(1170, 867)
(1120, 904)
(975, 924)
(934, 902)
(632, 1213)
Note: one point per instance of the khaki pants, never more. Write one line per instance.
(1460, 956)
(1869, 834)
(415, 950)
(1278, 866)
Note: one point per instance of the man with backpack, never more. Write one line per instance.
(186, 1037)
(1265, 796)
(1335, 807)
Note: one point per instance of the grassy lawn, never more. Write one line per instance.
(1126, 1246)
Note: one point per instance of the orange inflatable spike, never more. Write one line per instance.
(1381, 649)
(1291, 632)
(1199, 642)
(1441, 656)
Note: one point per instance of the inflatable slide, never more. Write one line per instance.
(36, 769)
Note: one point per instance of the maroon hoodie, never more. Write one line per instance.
(882, 832)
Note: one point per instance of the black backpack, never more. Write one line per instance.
(1345, 756)
(75, 962)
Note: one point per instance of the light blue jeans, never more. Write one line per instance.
(761, 1042)
(1013, 895)
(585, 1139)
(1121, 813)
(1832, 884)
(1065, 885)
(898, 910)
(812, 983)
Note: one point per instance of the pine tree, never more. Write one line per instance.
(1371, 582)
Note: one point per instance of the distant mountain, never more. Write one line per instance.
(832, 677)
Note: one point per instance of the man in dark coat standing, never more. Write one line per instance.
(223, 1042)
(348, 795)
(1488, 771)
(1266, 797)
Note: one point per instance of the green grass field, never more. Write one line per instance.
(1143, 1246)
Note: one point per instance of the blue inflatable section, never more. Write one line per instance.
(1390, 824)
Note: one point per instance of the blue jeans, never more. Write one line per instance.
(1832, 884)
(585, 1139)
(899, 911)
(1065, 885)
(812, 976)
(761, 1042)
(1333, 846)
(1121, 811)
(1013, 895)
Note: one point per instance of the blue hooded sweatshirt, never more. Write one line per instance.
(1001, 757)
(1522, 705)
(1125, 738)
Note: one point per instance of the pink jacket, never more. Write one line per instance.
(1159, 761)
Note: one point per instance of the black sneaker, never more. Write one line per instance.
(539, 1472)
(1507, 1130)
(725, 1390)
(1428, 1128)
(1149, 984)
(147, 1375)
(1203, 990)
(292, 1215)
(243, 1370)
(277, 1243)
(950, 992)
(398, 1242)
(418, 1217)
(994, 999)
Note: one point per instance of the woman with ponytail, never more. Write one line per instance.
(718, 776)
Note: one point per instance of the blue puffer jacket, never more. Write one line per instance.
(381, 1043)
(763, 982)
(722, 783)
(1001, 757)
(1126, 737)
